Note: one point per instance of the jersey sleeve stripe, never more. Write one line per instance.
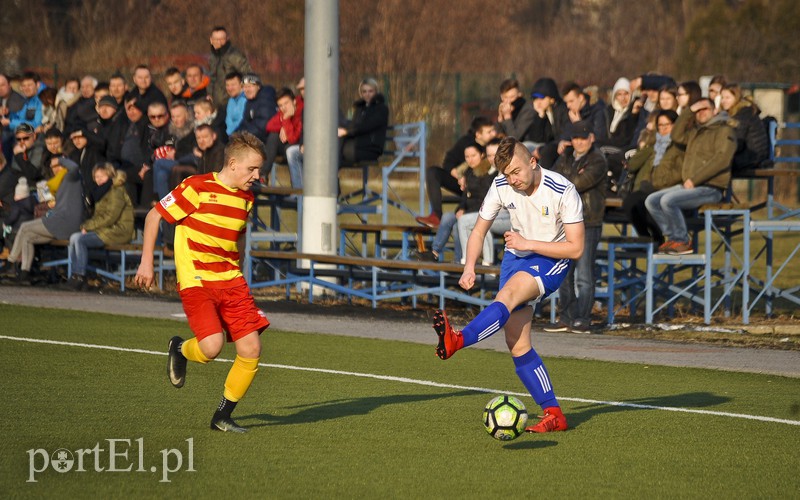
(165, 213)
(500, 181)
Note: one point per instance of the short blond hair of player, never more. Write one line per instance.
(210, 212)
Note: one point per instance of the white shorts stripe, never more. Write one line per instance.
(558, 267)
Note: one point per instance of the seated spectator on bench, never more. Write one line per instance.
(705, 174)
(181, 127)
(147, 92)
(446, 176)
(476, 182)
(198, 85)
(689, 92)
(11, 101)
(552, 117)
(236, 102)
(667, 101)
(176, 84)
(622, 121)
(206, 114)
(259, 108)
(209, 155)
(715, 90)
(752, 141)
(58, 224)
(9, 179)
(285, 129)
(514, 114)
(111, 223)
(579, 108)
(656, 165)
(86, 155)
(649, 86)
(31, 112)
(28, 155)
(17, 212)
(501, 224)
(364, 137)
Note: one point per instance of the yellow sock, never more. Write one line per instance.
(191, 349)
(240, 377)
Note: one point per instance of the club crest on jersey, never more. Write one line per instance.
(167, 201)
(511, 206)
(546, 211)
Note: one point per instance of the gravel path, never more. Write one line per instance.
(380, 324)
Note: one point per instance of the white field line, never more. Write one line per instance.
(428, 383)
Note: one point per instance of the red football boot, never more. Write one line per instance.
(449, 340)
(552, 421)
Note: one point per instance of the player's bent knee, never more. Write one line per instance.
(249, 346)
(212, 346)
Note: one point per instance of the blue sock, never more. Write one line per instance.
(531, 370)
(485, 324)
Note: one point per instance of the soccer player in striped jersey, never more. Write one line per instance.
(210, 212)
(546, 232)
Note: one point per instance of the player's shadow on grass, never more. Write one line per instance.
(330, 410)
(693, 400)
(522, 444)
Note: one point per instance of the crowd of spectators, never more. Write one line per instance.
(663, 148)
(65, 150)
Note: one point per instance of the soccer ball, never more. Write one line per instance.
(505, 417)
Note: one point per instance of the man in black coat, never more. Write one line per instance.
(260, 106)
(148, 93)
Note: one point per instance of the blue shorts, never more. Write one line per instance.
(548, 272)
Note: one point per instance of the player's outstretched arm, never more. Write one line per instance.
(145, 275)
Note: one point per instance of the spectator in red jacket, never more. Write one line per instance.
(284, 129)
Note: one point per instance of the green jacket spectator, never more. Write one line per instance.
(113, 214)
(709, 150)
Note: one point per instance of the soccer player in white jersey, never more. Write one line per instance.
(546, 232)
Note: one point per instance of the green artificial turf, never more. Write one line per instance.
(339, 434)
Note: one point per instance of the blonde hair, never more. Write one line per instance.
(117, 176)
(368, 81)
(242, 142)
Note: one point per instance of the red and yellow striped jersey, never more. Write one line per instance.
(209, 218)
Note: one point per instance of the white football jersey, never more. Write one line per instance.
(539, 217)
